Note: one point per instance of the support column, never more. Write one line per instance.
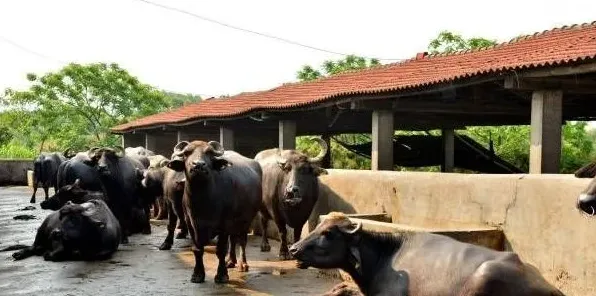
(151, 142)
(448, 150)
(182, 136)
(382, 140)
(287, 134)
(226, 138)
(326, 162)
(545, 134)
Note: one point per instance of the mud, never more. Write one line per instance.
(139, 268)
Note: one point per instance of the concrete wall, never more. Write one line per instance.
(14, 171)
(536, 213)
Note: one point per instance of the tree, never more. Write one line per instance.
(179, 100)
(449, 42)
(351, 62)
(77, 105)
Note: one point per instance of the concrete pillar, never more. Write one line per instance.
(151, 142)
(287, 134)
(182, 136)
(326, 162)
(448, 150)
(545, 134)
(382, 140)
(226, 138)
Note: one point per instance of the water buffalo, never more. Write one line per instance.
(45, 168)
(119, 175)
(416, 263)
(586, 202)
(222, 195)
(139, 150)
(160, 210)
(87, 231)
(71, 192)
(290, 191)
(167, 184)
(79, 167)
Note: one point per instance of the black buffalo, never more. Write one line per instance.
(586, 201)
(79, 167)
(87, 231)
(73, 193)
(290, 191)
(45, 169)
(222, 195)
(167, 184)
(120, 177)
(416, 263)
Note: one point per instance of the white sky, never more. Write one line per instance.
(177, 52)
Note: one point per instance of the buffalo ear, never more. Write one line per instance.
(176, 164)
(77, 183)
(220, 164)
(587, 171)
(318, 171)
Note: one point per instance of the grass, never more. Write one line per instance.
(12, 151)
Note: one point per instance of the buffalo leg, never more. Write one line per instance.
(167, 243)
(283, 233)
(265, 247)
(297, 233)
(221, 277)
(56, 255)
(147, 224)
(231, 262)
(163, 209)
(46, 189)
(179, 211)
(34, 191)
(242, 240)
(200, 238)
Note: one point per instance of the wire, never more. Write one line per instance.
(23, 48)
(254, 32)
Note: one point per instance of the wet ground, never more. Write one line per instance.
(138, 268)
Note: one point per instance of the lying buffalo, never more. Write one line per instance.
(416, 263)
(290, 191)
(45, 169)
(73, 193)
(221, 197)
(586, 202)
(119, 175)
(87, 231)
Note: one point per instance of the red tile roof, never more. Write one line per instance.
(555, 47)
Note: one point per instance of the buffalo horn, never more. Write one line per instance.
(354, 230)
(324, 150)
(119, 151)
(218, 150)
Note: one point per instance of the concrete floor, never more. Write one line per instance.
(138, 268)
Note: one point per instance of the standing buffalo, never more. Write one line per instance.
(45, 168)
(160, 210)
(119, 175)
(416, 263)
(586, 201)
(222, 196)
(290, 191)
(139, 150)
(87, 231)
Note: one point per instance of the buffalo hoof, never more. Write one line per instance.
(301, 265)
(243, 267)
(197, 278)
(230, 263)
(165, 246)
(20, 255)
(265, 248)
(181, 235)
(124, 240)
(285, 256)
(32, 200)
(161, 217)
(221, 278)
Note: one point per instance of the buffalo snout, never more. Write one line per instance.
(587, 203)
(102, 168)
(50, 204)
(199, 166)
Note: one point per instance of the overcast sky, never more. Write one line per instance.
(178, 52)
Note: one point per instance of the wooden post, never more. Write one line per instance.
(151, 142)
(182, 136)
(226, 138)
(287, 134)
(448, 164)
(545, 137)
(382, 140)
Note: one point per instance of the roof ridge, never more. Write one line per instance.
(517, 39)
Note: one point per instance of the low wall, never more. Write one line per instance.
(14, 171)
(535, 212)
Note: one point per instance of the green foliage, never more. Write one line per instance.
(178, 100)
(449, 42)
(15, 151)
(341, 157)
(351, 62)
(77, 105)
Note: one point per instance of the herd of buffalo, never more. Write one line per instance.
(103, 195)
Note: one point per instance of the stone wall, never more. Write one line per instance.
(14, 171)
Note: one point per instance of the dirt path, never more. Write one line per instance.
(138, 268)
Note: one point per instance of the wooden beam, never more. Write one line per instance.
(370, 105)
(550, 83)
(560, 71)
